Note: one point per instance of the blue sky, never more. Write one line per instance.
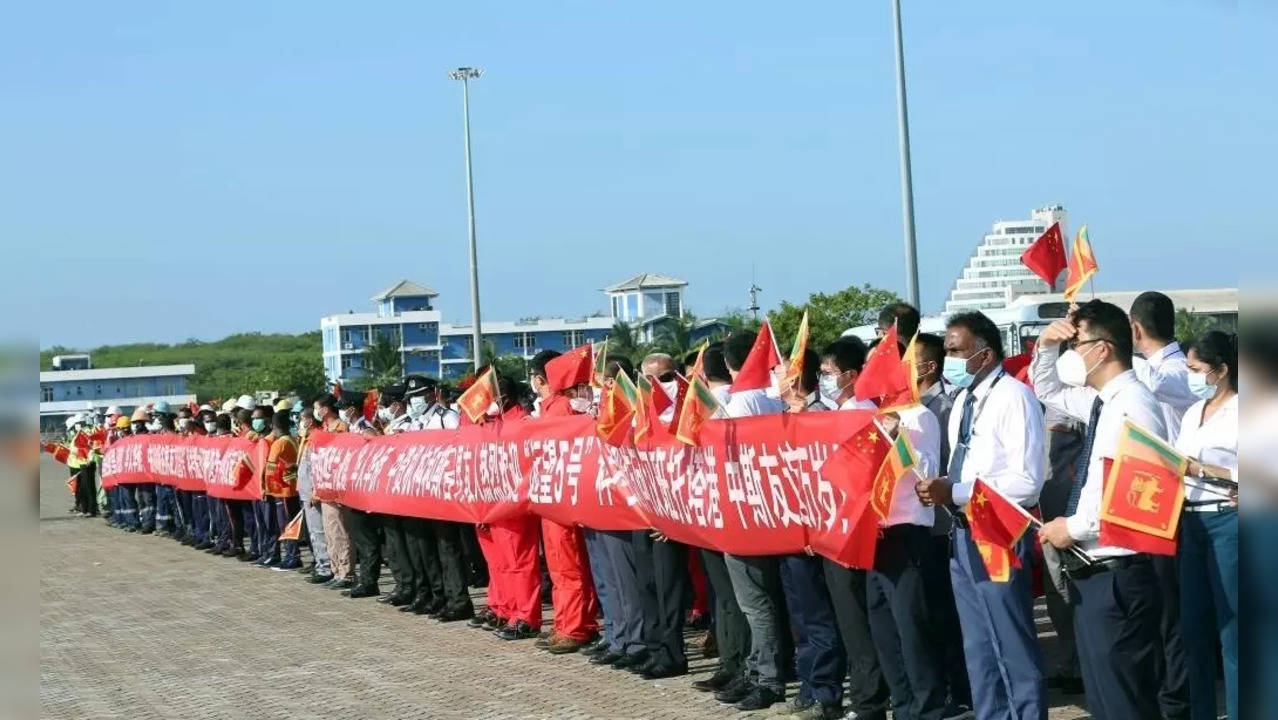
(226, 167)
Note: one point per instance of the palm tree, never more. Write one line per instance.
(675, 335)
(621, 340)
(382, 362)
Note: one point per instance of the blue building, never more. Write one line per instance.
(67, 392)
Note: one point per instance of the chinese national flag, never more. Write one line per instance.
(1082, 265)
(699, 405)
(1046, 257)
(883, 375)
(996, 526)
(794, 371)
(573, 368)
(59, 452)
(851, 469)
(1144, 493)
(294, 527)
(756, 371)
(370, 404)
(482, 394)
(73, 484)
(899, 460)
(81, 443)
(244, 473)
(681, 393)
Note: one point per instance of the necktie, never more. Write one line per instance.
(1084, 459)
(959, 452)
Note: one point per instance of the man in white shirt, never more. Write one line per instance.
(996, 436)
(1117, 601)
(867, 696)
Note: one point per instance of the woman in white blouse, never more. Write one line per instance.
(1209, 525)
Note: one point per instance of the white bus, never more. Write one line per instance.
(1025, 318)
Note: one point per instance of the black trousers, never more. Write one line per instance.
(903, 622)
(476, 565)
(86, 489)
(662, 571)
(1173, 694)
(423, 554)
(452, 563)
(731, 631)
(867, 690)
(365, 532)
(402, 567)
(1120, 651)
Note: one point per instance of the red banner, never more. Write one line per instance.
(753, 487)
(224, 467)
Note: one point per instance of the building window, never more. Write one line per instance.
(672, 304)
(168, 388)
(524, 341)
(46, 393)
(632, 307)
(573, 338)
(79, 390)
(616, 307)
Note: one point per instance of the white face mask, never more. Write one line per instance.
(416, 406)
(828, 385)
(671, 388)
(184, 424)
(579, 405)
(210, 427)
(384, 414)
(1072, 368)
(154, 426)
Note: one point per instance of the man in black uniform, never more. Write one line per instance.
(363, 527)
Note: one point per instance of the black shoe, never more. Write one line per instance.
(448, 616)
(419, 606)
(758, 699)
(481, 618)
(715, 682)
(361, 592)
(607, 657)
(132, 529)
(400, 600)
(269, 563)
(204, 545)
(319, 579)
(343, 584)
(435, 608)
(657, 671)
(631, 660)
(734, 692)
(247, 557)
(519, 630)
(494, 624)
(147, 531)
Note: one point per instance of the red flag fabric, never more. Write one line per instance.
(1046, 257)
(293, 529)
(1018, 367)
(81, 442)
(1144, 493)
(756, 371)
(370, 404)
(883, 374)
(1082, 264)
(573, 368)
(681, 392)
(852, 469)
(996, 526)
(59, 452)
(73, 484)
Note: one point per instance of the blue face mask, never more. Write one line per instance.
(1200, 386)
(955, 371)
(259, 425)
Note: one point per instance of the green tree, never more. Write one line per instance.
(300, 375)
(383, 364)
(511, 366)
(1190, 327)
(675, 336)
(829, 315)
(621, 341)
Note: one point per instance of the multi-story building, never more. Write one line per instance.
(66, 392)
(405, 314)
(994, 273)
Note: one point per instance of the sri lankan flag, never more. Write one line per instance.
(1081, 266)
(794, 371)
(294, 527)
(996, 525)
(601, 364)
(1144, 493)
(699, 405)
(644, 417)
(900, 459)
(480, 396)
(617, 410)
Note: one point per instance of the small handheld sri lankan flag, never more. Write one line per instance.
(1144, 493)
(900, 460)
(293, 530)
(699, 405)
(480, 396)
(1081, 266)
(794, 371)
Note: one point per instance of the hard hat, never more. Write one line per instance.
(160, 408)
(71, 421)
(298, 406)
(283, 404)
(248, 402)
(114, 410)
(122, 423)
(140, 415)
(207, 407)
(228, 406)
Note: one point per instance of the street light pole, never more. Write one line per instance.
(907, 180)
(465, 75)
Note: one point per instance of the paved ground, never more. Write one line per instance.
(141, 627)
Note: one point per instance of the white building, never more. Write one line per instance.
(644, 300)
(994, 273)
(66, 392)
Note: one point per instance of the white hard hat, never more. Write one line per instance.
(248, 402)
(114, 410)
(207, 407)
(72, 420)
(228, 406)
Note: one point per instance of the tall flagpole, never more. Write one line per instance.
(465, 75)
(907, 180)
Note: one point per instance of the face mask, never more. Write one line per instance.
(955, 371)
(1200, 386)
(259, 425)
(184, 424)
(828, 385)
(153, 426)
(384, 414)
(671, 388)
(1072, 368)
(210, 427)
(579, 405)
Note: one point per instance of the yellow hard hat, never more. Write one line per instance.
(283, 404)
(122, 423)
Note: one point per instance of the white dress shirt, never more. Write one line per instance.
(403, 423)
(748, 403)
(1214, 442)
(924, 431)
(439, 417)
(1166, 374)
(1125, 397)
(1008, 436)
(721, 393)
(853, 404)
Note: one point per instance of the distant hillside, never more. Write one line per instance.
(234, 365)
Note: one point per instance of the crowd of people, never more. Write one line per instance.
(925, 633)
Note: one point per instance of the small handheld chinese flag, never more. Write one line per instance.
(1144, 493)
(851, 469)
(1081, 266)
(293, 529)
(480, 395)
(370, 404)
(73, 484)
(1046, 257)
(573, 368)
(795, 370)
(244, 473)
(883, 375)
(997, 524)
(756, 371)
(59, 452)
